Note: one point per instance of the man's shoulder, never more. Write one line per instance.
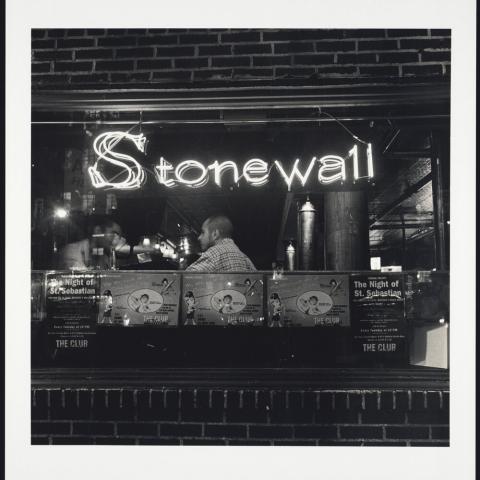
(227, 245)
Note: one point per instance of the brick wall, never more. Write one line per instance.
(86, 57)
(240, 417)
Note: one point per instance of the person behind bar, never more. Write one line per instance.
(220, 254)
(95, 250)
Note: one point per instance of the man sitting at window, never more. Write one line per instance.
(220, 254)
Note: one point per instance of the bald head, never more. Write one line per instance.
(213, 229)
(222, 224)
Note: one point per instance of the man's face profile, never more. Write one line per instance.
(206, 237)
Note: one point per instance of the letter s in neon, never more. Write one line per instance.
(132, 174)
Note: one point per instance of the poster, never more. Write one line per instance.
(308, 301)
(139, 298)
(222, 299)
(378, 315)
(71, 306)
(37, 296)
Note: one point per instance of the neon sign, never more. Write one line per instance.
(132, 176)
(194, 174)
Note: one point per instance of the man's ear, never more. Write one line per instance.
(215, 234)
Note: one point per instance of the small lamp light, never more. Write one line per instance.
(61, 213)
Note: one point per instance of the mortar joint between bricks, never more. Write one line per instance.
(379, 401)
(194, 398)
(440, 393)
(150, 398)
(287, 399)
(135, 404)
(338, 432)
(225, 402)
(164, 397)
(210, 394)
(179, 399)
(255, 396)
(409, 395)
(34, 397)
(240, 399)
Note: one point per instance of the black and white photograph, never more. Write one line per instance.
(240, 237)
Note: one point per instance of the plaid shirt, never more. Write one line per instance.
(224, 256)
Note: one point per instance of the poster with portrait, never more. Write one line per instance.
(222, 299)
(139, 298)
(308, 301)
(71, 308)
